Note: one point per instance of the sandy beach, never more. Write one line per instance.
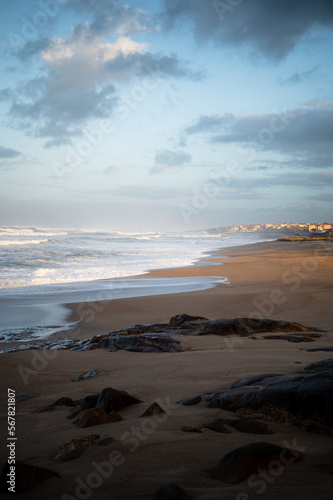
(289, 281)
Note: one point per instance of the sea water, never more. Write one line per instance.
(40, 269)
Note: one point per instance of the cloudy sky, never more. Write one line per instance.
(165, 114)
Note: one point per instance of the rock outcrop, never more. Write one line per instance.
(302, 398)
(159, 337)
(241, 463)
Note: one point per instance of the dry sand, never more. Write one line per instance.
(278, 280)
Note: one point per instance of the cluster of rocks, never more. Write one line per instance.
(303, 398)
(159, 337)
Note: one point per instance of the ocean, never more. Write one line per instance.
(41, 268)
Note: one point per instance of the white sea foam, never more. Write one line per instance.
(42, 268)
(6, 243)
(37, 256)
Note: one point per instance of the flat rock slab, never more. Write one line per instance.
(251, 426)
(315, 349)
(190, 428)
(24, 397)
(241, 463)
(76, 446)
(90, 374)
(218, 425)
(296, 338)
(192, 401)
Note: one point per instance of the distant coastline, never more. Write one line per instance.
(293, 229)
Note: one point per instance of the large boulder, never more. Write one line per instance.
(304, 398)
(113, 400)
(241, 463)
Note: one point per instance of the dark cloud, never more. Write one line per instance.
(305, 133)
(144, 64)
(272, 27)
(8, 153)
(166, 159)
(108, 16)
(297, 77)
(32, 48)
(57, 116)
(321, 197)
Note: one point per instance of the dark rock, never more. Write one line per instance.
(251, 426)
(24, 397)
(192, 401)
(296, 338)
(254, 379)
(75, 447)
(189, 428)
(26, 477)
(84, 404)
(70, 453)
(113, 400)
(64, 402)
(315, 349)
(171, 491)
(157, 337)
(218, 425)
(180, 319)
(47, 409)
(97, 416)
(104, 441)
(318, 366)
(246, 327)
(90, 374)
(153, 409)
(242, 462)
(144, 343)
(305, 398)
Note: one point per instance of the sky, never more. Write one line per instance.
(165, 114)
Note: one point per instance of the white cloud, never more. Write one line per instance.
(80, 62)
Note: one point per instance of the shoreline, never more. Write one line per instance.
(288, 281)
(258, 288)
(60, 299)
(237, 265)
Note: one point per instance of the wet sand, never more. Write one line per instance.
(280, 280)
